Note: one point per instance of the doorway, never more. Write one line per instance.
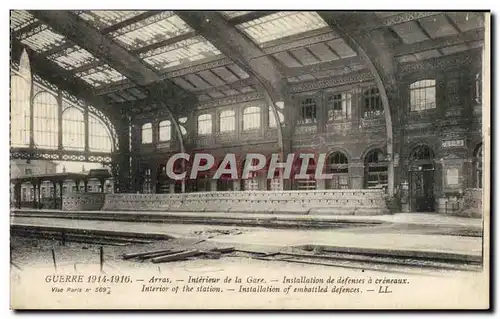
(422, 179)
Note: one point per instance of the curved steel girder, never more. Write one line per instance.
(365, 34)
(243, 52)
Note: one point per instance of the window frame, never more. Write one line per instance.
(330, 101)
(304, 105)
(251, 118)
(147, 127)
(163, 126)
(372, 109)
(209, 127)
(223, 117)
(418, 103)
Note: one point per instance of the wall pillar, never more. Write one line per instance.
(213, 185)
(236, 185)
(77, 185)
(320, 184)
(39, 193)
(61, 190)
(17, 192)
(357, 173)
(54, 193)
(122, 156)
(34, 193)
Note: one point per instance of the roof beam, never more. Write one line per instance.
(224, 36)
(461, 38)
(308, 69)
(250, 16)
(78, 31)
(82, 33)
(124, 23)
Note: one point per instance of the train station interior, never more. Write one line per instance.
(389, 105)
(393, 98)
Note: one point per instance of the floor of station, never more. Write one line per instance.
(400, 232)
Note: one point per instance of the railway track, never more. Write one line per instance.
(97, 237)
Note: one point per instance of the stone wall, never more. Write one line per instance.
(473, 202)
(83, 201)
(329, 202)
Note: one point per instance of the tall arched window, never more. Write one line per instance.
(227, 121)
(338, 166)
(147, 133)
(99, 137)
(251, 118)
(20, 111)
(478, 163)
(165, 131)
(73, 126)
(423, 95)
(205, 124)
(375, 169)
(372, 103)
(45, 121)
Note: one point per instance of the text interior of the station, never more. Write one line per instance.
(394, 99)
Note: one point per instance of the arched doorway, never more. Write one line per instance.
(338, 165)
(421, 172)
(375, 169)
(478, 166)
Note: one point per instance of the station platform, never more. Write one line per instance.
(406, 233)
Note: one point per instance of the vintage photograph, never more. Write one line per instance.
(249, 159)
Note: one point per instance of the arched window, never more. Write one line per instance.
(478, 159)
(307, 113)
(45, 121)
(99, 136)
(421, 152)
(338, 166)
(372, 103)
(73, 126)
(423, 95)
(205, 124)
(272, 118)
(147, 133)
(20, 111)
(165, 131)
(339, 107)
(227, 121)
(251, 118)
(375, 169)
